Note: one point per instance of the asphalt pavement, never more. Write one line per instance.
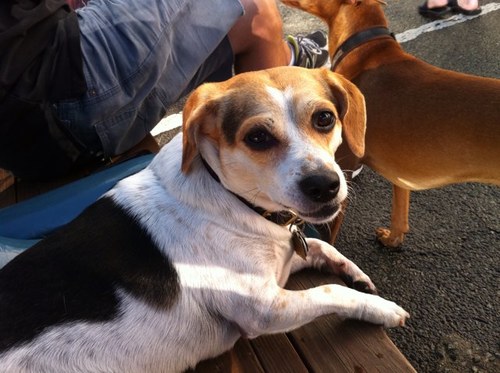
(447, 272)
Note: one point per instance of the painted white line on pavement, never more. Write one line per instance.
(167, 124)
(443, 23)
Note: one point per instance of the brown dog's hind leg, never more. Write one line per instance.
(394, 236)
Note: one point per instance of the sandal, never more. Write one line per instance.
(455, 8)
(434, 13)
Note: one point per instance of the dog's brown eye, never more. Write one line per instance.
(324, 120)
(260, 139)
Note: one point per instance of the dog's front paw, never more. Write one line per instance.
(390, 238)
(331, 260)
(384, 312)
(365, 285)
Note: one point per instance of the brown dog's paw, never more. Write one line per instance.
(389, 238)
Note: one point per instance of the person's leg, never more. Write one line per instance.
(257, 37)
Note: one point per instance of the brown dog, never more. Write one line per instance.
(426, 127)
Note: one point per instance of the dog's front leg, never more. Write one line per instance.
(324, 256)
(394, 236)
(277, 310)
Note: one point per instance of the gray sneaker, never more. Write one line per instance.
(310, 50)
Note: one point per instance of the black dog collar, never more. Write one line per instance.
(358, 39)
(283, 218)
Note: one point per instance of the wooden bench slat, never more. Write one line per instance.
(240, 359)
(244, 359)
(277, 354)
(221, 364)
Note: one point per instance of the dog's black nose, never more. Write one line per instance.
(320, 188)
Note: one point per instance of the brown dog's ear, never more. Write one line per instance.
(198, 119)
(352, 109)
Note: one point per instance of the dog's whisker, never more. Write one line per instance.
(326, 227)
(351, 194)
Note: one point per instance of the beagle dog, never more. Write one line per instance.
(178, 261)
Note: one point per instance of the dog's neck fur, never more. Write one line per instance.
(282, 218)
(278, 217)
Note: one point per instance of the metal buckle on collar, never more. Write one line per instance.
(283, 218)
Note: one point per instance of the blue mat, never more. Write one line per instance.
(23, 224)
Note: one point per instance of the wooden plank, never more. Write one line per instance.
(366, 347)
(277, 354)
(241, 359)
(244, 359)
(331, 344)
(221, 364)
(270, 354)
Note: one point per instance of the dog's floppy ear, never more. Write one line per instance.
(199, 118)
(352, 109)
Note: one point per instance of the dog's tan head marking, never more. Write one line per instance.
(271, 136)
(199, 119)
(242, 105)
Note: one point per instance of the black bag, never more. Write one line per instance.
(40, 62)
(32, 144)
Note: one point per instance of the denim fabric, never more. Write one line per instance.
(139, 58)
